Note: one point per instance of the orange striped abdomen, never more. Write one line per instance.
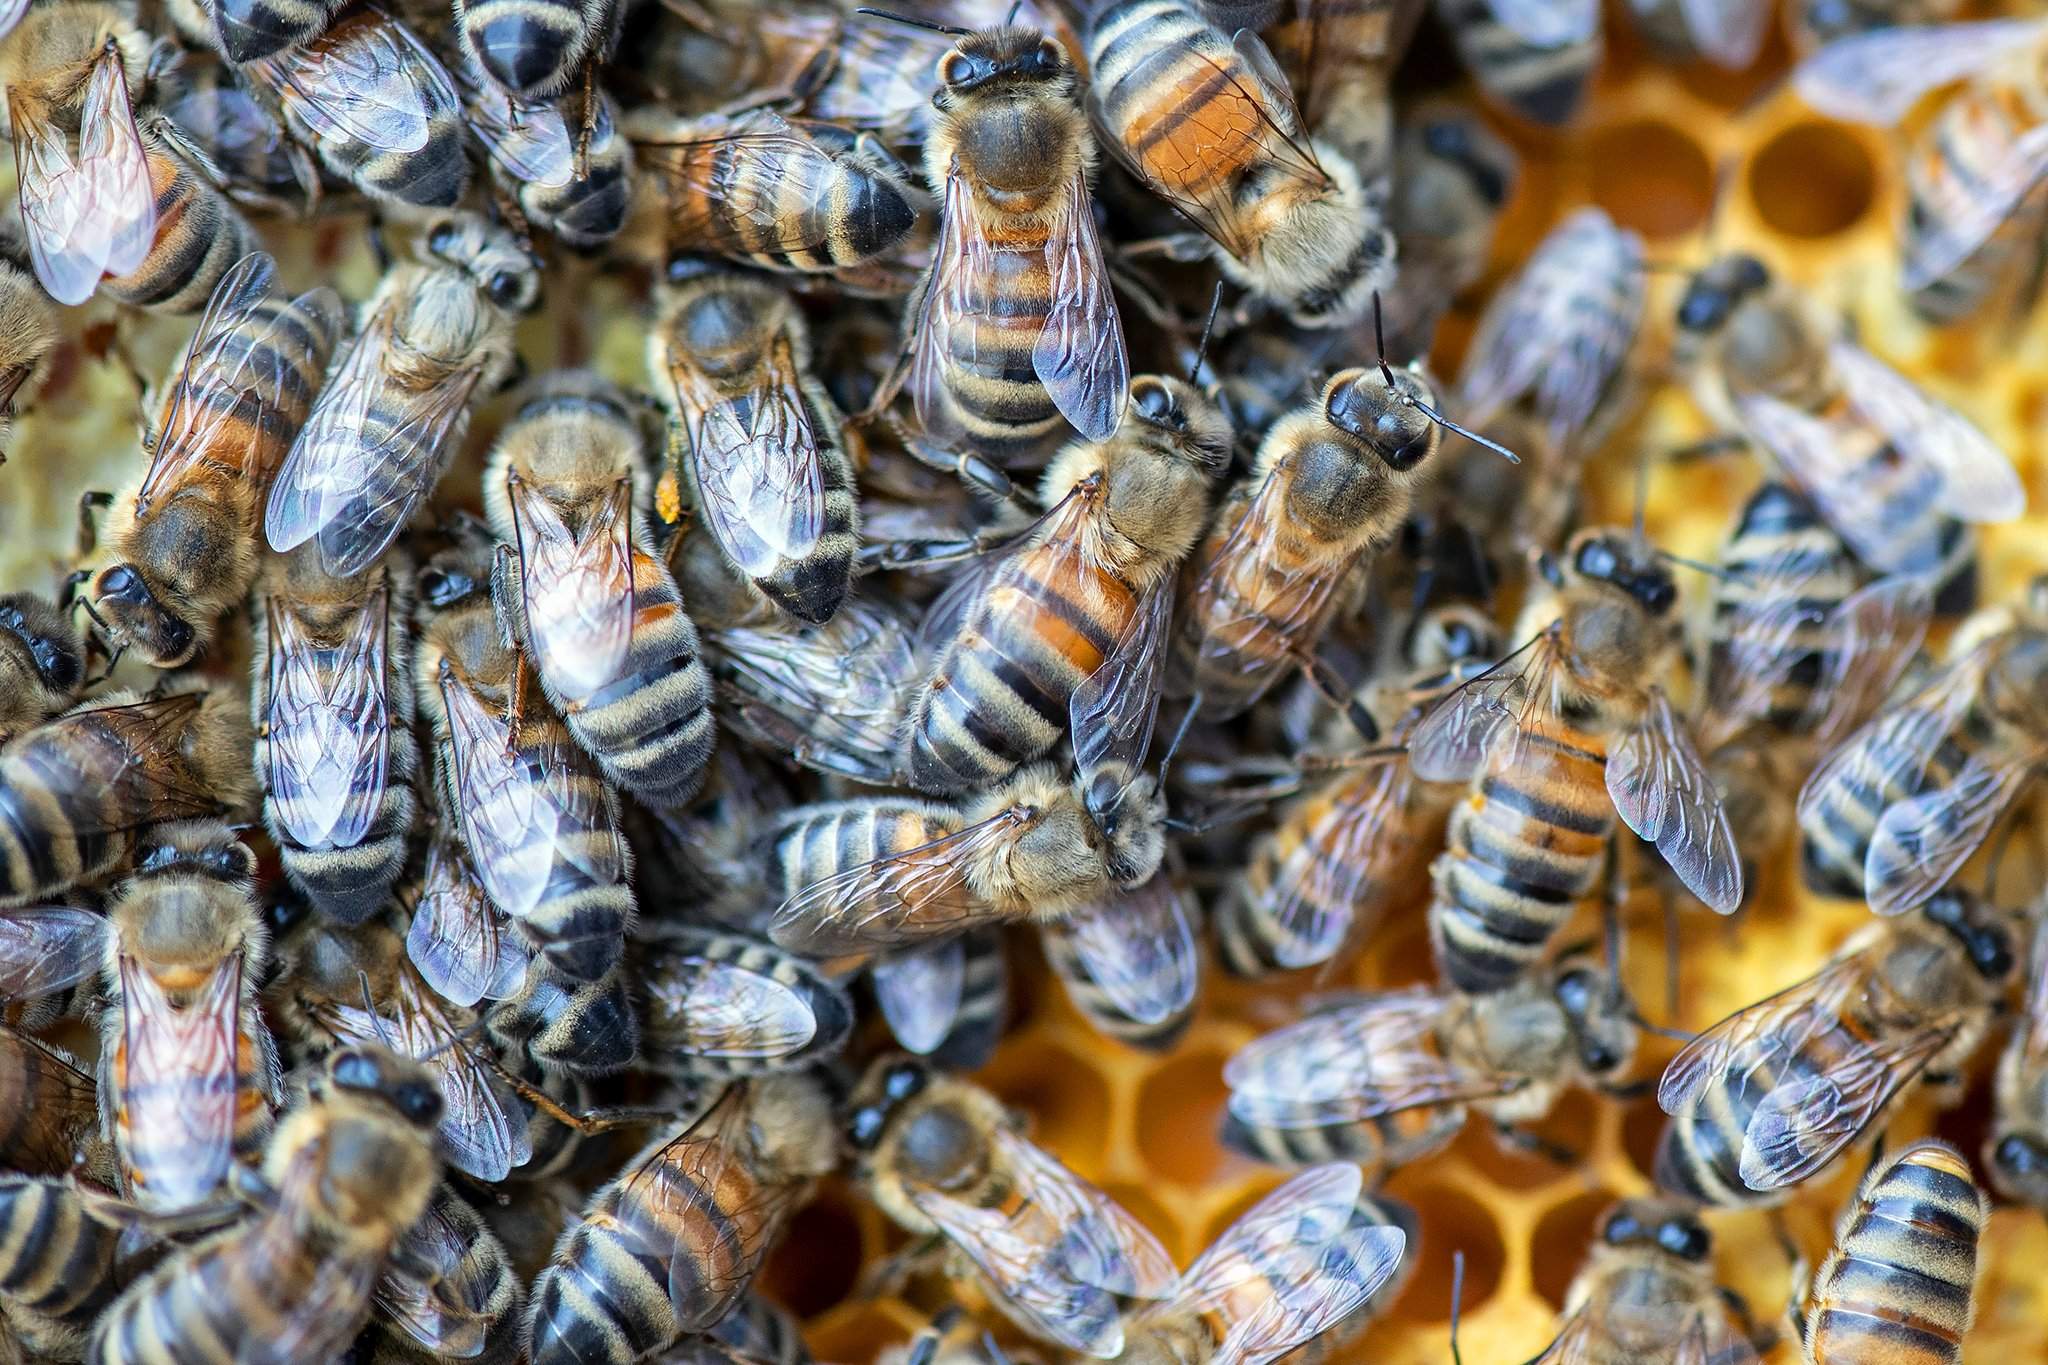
(1160, 76)
(1256, 608)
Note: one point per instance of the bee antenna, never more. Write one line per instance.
(1202, 346)
(1457, 1302)
(1011, 17)
(1448, 425)
(1714, 571)
(950, 30)
(1379, 336)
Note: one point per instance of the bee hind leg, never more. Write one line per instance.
(1536, 1145)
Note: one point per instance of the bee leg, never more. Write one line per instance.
(509, 212)
(1535, 1144)
(1184, 247)
(505, 601)
(971, 469)
(91, 501)
(1325, 681)
(586, 1121)
(589, 128)
(1457, 1301)
(1708, 448)
(887, 1277)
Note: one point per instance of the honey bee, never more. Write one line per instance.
(1974, 211)
(73, 72)
(459, 942)
(670, 1246)
(1900, 1282)
(1130, 964)
(57, 1264)
(74, 791)
(755, 438)
(582, 197)
(375, 105)
(1647, 1296)
(786, 196)
(1901, 805)
(189, 1077)
(52, 1105)
(532, 49)
(349, 1173)
(946, 1000)
(333, 977)
(727, 55)
(2016, 1152)
(200, 234)
(1331, 485)
(1535, 58)
(1771, 1095)
(395, 409)
(250, 30)
(1296, 1268)
(1891, 468)
(574, 1029)
(884, 871)
(1067, 630)
(1729, 34)
(227, 130)
(182, 546)
(539, 822)
(1452, 177)
(1013, 332)
(723, 1005)
(598, 613)
(333, 702)
(451, 1293)
(828, 697)
(28, 334)
(1342, 853)
(1557, 743)
(1391, 1078)
(1208, 123)
(943, 1158)
(42, 661)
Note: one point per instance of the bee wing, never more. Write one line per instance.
(1874, 633)
(458, 942)
(1079, 355)
(952, 302)
(755, 462)
(1103, 1244)
(101, 749)
(1894, 749)
(532, 141)
(845, 683)
(1029, 1276)
(440, 1314)
(1139, 947)
(1978, 483)
(732, 197)
(1111, 714)
(1803, 1124)
(905, 897)
(1961, 215)
(2035, 1013)
(11, 13)
(919, 990)
(1921, 842)
(327, 728)
(373, 83)
(1728, 33)
(1811, 450)
(181, 1081)
(576, 589)
(1772, 1029)
(1347, 1273)
(1056, 531)
(62, 1102)
(318, 471)
(1580, 1341)
(1876, 77)
(1548, 23)
(1380, 1056)
(48, 948)
(1715, 1339)
(722, 1009)
(95, 214)
(1365, 838)
(1758, 652)
(1453, 740)
(1662, 790)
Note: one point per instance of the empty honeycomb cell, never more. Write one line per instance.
(1066, 1097)
(1451, 1221)
(1180, 1117)
(1651, 177)
(1568, 1128)
(1812, 179)
(1642, 1124)
(817, 1263)
(1559, 1243)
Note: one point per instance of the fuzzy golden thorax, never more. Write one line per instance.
(1007, 122)
(1053, 862)
(927, 1130)
(47, 60)
(369, 1127)
(789, 1124)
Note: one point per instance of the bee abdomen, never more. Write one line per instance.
(812, 587)
(823, 844)
(580, 925)
(1159, 68)
(1837, 828)
(432, 177)
(990, 382)
(350, 884)
(41, 849)
(600, 1299)
(1544, 84)
(651, 731)
(199, 237)
(55, 1262)
(588, 1029)
(527, 46)
(1101, 1010)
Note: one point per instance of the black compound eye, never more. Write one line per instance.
(1574, 991)
(864, 1129)
(1048, 57)
(177, 637)
(957, 69)
(156, 857)
(1703, 308)
(1448, 138)
(1684, 1239)
(903, 1080)
(442, 239)
(1991, 951)
(1656, 594)
(358, 1071)
(1596, 559)
(231, 861)
(504, 288)
(1598, 1058)
(441, 588)
(419, 1102)
(2020, 1156)
(1154, 403)
(1751, 274)
(1460, 641)
(122, 584)
(1621, 1229)
(285, 915)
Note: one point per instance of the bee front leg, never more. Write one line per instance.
(91, 501)
(888, 1277)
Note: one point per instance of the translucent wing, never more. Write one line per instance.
(1728, 33)
(1922, 842)
(445, 1314)
(1103, 1244)
(1873, 633)
(11, 13)
(1112, 713)
(1056, 531)
(130, 753)
(1346, 1273)
(1877, 77)
(1663, 791)
(532, 141)
(320, 1323)
(1313, 902)
(1453, 740)
(1893, 751)
(952, 307)
(714, 1008)
(1716, 1339)
(905, 897)
(1811, 450)
(96, 214)
(576, 586)
(731, 186)
(919, 990)
(1805, 1123)
(1079, 355)
(1960, 213)
(1309, 1210)
(1978, 483)
(367, 80)
(755, 462)
(459, 943)
(2036, 1011)
(1380, 1056)
(179, 1086)
(325, 460)
(1139, 947)
(326, 719)
(48, 948)
(1769, 1032)
(60, 1103)
(1548, 23)
(1756, 650)
(1580, 1341)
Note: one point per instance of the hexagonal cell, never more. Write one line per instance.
(1812, 180)
(860, 1331)
(818, 1259)
(1558, 1247)
(1180, 1118)
(1651, 177)
(1451, 1222)
(1571, 1127)
(1066, 1096)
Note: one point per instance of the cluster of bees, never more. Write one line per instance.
(389, 856)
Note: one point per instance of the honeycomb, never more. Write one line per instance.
(1697, 160)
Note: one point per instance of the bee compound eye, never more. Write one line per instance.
(864, 1128)
(357, 1071)
(1684, 1239)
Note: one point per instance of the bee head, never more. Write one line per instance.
(1601, 1022)
(1714, 294)
(2018, 1162)
(1001, 56)
(1379, 408)
(1980, 930)
(893, 1082)
(130, 615)
(45, 637)
(1667, 1227)
(407, 1088)
(1623, 563)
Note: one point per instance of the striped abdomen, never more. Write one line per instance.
(584, 1028)
(580, 920)
(825, 840)
(1779, 531)
(1918, 539)
(989, 388)
(1954, 165)
(56, 1264)
(1898, 1288)
(56, 828)
(250, 29)
(255, 1099)
(1523, 849)
(1158, 78)
(650, 729)
(1544, 84)
(676, 974)
(998, 696)
(288, 345)
(432, 176)
(199, 237)
(530, 47)
(591, 209)
(1104, 1013)
(984, 1004)
(788, 208)
(1380, 1143)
